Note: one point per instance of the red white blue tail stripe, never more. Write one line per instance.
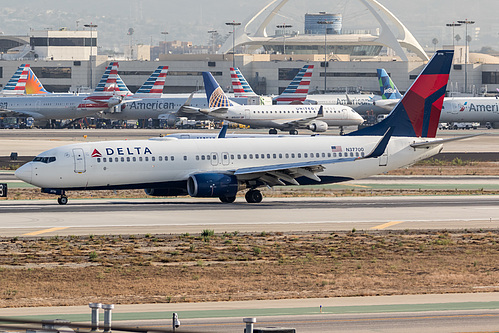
(297, 90)
(17, 83)
(240, 86)
(105, 95)
(153, 87)
(112, 82)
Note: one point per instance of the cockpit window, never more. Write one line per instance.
(46, 159)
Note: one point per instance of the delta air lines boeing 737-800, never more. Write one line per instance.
(222, 167)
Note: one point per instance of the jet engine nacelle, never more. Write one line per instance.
(164, 192)
(317, 126)
(170, 119)
(212, 185)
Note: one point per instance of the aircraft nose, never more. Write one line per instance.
(24, 173)
(357, 117)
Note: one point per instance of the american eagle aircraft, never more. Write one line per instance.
(222, 167)
(284, 117)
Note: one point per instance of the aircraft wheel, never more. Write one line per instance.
(253, 196)
(272, 131)
(225, 199)
(62, 200)
(293, 132)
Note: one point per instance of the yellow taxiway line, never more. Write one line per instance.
(39, 232)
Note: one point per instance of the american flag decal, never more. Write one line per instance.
(336, 149)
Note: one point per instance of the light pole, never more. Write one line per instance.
(91, 26)
(233, 24)
(164, 33)
(453, 35)
(466, 22)
(325, 50)
(212, 32)
(284, 27)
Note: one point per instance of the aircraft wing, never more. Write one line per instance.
(286, 173)
(18, 113)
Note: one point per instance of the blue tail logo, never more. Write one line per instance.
(214, 94)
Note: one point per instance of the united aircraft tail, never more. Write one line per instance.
(418, 113)
(153, 87)
(297, 90)
(387, 87)
(214, 94)
(240, 86)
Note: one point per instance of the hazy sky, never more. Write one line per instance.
(191, 19)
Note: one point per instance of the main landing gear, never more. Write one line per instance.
(253, 196)
(272, 131)
(62, 200)
(293, 132)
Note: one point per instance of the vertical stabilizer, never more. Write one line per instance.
(297, 90)
(240, 86)
(17, 83)
(153, 87)
(418, 113)
(387, 87)
(111, 82)
(214, 94)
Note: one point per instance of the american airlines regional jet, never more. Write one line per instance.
(222, 167)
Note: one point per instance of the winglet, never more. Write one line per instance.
(382, 144)
(223, 131)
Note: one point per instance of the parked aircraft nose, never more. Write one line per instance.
(356, 117)
(24, 173)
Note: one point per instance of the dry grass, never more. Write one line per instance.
(230, 266)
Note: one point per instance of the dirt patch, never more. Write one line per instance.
(230, 266)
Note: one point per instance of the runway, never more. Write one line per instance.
(409, 313)
(181, 215)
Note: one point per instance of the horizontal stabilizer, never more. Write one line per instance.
(428, 144)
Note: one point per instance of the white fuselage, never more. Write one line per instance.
(361, 103)
(470, 109)
(150, 163)
(154, 107)
(461, 109)
(289, 116)
(47, 107)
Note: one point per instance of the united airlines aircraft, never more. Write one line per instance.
(284, 117)
(223, 167)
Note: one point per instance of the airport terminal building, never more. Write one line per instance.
(344, 61)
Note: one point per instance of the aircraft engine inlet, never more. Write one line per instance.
(212, 185)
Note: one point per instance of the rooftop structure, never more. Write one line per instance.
(354, 45)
